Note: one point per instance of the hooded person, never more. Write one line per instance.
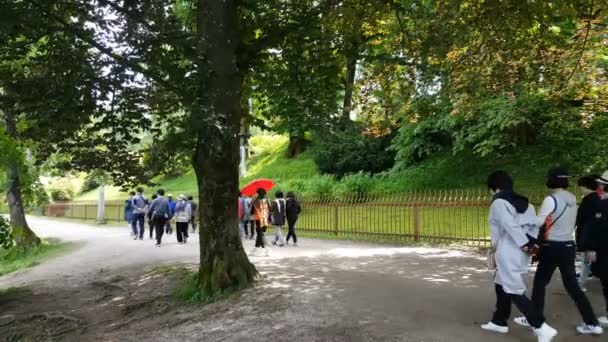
(557, 217)
(183, 215)
(512, 227)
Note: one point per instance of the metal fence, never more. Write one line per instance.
(435, 216)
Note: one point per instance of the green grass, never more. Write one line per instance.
(14, 259)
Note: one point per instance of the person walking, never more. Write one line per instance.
(292, 212)
(149, 216)
(193, 206)
(277, 215)
(245, 216)
(160, 211)
(512, 219)
(139, 211)
(183, 215)
(128, 212)
(557, 217)
(586, 219)
(596, 245)
(261, 213)
(168, 227)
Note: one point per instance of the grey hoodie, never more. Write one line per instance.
(558, 214)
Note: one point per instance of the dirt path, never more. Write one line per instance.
(322, 291)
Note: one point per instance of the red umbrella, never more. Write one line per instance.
(251, 189)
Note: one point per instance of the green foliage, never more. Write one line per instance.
(61, 195)
(15, 258)
(349, 151)
(358, 184)
(189, 291)
(6, 234)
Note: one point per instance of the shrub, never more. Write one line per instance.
(91, 182)
(322, 186)
(61, 195)
(349, 151)
(6, 234)
(358, 184)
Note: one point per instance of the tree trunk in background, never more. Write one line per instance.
(297, 145)
(224, 266)
(25, 238)
(349, 83)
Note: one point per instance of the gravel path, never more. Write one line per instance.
(321, 291)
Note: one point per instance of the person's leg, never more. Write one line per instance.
(178, 232)
(584, 275)
(258, 239)
(134, 233)
(142, 226)
(159, 224)
(151, 224)
(566, 257)
(193, 222)
(544, 273)
(253, 230)
(534, 317)
(503, 307)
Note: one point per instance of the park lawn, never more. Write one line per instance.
(13, 259)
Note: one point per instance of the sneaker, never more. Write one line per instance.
(545, 333)
(281, 245)
(584, 289)
(495, 328)
(522, 321)
(141, 237)
(135, 238)
(274, 243)
(158, 245)
(585, 329)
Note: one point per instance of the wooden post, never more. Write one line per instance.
(416, 223)
(336, 219)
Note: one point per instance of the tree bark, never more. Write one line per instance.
(25, 238)
(349, 83)
(224, 266)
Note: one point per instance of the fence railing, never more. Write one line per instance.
(457, 216)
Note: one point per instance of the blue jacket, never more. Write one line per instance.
(128, 215)
(172, 204)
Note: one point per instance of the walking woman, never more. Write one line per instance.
(293, 210)
(183, 215)
(149, 215)
(558, 250)
(261, 213)
(512, 219)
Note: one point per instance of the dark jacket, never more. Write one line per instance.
(588, 218)
(128, 211)
(160, 208)
(292, 209)
(277, 211)
(193, 206)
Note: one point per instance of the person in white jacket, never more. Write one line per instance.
(512, 225)
(183, 215)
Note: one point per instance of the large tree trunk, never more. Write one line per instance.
(224, 266)
(25, 238)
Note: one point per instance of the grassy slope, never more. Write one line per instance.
(13, 260)
(268, 161)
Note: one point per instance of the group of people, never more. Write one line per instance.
(160, 212)
(258, 214)
(518, 233)
(255, 216)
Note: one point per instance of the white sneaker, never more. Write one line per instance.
(603, 320)
(495, 328)
(521, 320)
(585, 329)
(545, 333)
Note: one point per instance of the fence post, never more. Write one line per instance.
(416, 222)
(336, 218)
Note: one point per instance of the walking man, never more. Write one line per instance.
(277, 212)
(139, 211)
(193, 206)
(159, 209)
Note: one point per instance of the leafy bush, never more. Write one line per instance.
(322, 186)
(61, 195)
(349, 151)
(91, 182)
(358, 184)
(6, 234)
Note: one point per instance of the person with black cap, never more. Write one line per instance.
(596, 243)
(557, 217)
(512, 226)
